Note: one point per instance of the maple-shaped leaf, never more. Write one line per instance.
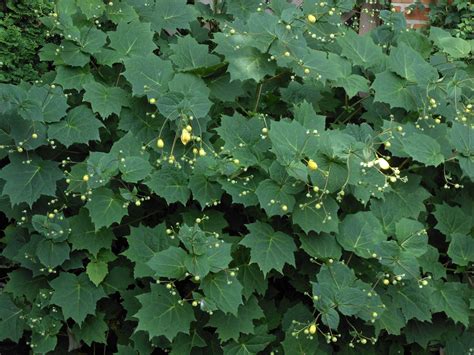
(132, 39)
(273, 195)
(249, 63)
(189, 95)
(91, 40)
(223, 291)
(318, 219)
(290, 141)
(424, 149)
(395, 91)
(168, 263)
(144, 243)
(230, 326)
(85, 237)
(270, 250)
(97, 270)
(410, 65)
(353, 84)
(105, 208)
(149, 75)
(361, 50)
(76, 295)
(170, 15)
(204, 190)
(138, 122)
(91, 8)
(452, 220)
(450, 298)
(455, 47)
(73, 78)
(461, 249)
(79, 126)
(163, 314)
(242, 138)
(360, 233)
(121, 12)
(22, 283)
(27, 182)
(170, 183)
(105, 100)
(72, 54)
(412, 301)
(188, 54)
(94, 329)
(250, 344)
(320, 246)
(186, 343)
(52, 254)
(48, 104)
(134, 168)
(11, 321)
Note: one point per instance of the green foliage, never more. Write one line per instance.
(21, 35)
(236, 180)
(456, 16)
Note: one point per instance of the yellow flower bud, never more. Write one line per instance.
(383, 164)
(312, 165)
(311, 18)
(185, 136)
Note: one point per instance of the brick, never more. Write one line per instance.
(417, 14)
(419, 25)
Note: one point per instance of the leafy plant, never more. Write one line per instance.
(238, 179)
(454, 15)
(21, 34)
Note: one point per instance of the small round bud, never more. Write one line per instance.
(312, 165)
(383, 164)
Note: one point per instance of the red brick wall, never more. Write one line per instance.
(415, 18)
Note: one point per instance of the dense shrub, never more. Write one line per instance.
(239, 179)
(21, 35)
(456, 16)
